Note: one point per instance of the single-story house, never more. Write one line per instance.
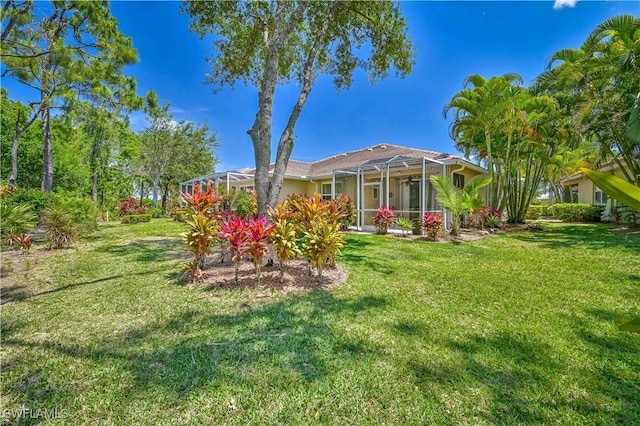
(578, 188)
(379, 175)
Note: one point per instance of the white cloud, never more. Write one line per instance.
(559, 4)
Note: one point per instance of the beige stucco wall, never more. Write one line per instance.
(586, 188)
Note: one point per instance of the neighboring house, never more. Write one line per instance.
(380, 175)
(580, 189)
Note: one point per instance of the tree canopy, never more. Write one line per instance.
(267, 44)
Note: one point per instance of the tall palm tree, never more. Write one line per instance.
(600, 85)
(481, 110)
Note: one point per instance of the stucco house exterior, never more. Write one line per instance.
(580, 189)
(375, 176)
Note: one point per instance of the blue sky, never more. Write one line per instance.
(453, 40)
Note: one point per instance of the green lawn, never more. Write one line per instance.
(512, 329)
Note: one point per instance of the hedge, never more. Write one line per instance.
(574, 212)
(136, 218)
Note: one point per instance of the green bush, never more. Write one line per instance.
(246, 204)
(15, 220)
(156, 212)
(534, 212)
(575, 212)
(136, 218)
(545, 210)
(36, 198)
(82, 210)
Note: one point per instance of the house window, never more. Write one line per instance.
(458, 180)
(326, 191)
(247, 188)
(599, 197)
(571, 194)
(374, 192)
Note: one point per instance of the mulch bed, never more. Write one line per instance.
(296, 276)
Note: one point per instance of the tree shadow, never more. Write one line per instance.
(147, 250)
(287, 343)
(589, 236)
(506, 366)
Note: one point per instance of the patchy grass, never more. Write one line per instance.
(511, 329)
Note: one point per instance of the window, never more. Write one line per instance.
(599, 197)
(374, 192)
(247, 188)
(326, 191)
(458, 180)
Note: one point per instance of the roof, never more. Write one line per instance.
(373, 155)
(376, 154)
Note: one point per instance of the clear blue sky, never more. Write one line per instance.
(453, 40)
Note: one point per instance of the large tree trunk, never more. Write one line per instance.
(16, 142)
(47, 150)
(94, 189)
(260, 132)
(156, 183)
(14, 153)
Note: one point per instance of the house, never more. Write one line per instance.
(578, 188)
(379, 175)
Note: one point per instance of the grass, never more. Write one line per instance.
(512, 329)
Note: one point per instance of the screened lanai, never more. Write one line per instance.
(401, 182)
(221, 181)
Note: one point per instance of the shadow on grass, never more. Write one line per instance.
(21, 293)
(284, 344)
(590, 236)
(147, 250)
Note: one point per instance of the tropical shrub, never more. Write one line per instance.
(199, 238)
(36, 198)
(494, 219)
(322, 242)
(60, 230)
(131, 207)
(15, 220)
(82, 210)
(156, 212)
(347, 208)
(234, 230)
(534, 212)
(284, 239)
(405, 225)
(459, 201)
(432, 225)
(577, 212)
(245, 203)
(136, 218)
(257, 239)
(383, 218)
(202, 202)
(25, 242)
(629, 215)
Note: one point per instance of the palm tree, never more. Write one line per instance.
(459, 201)
(599, 85)
(481, 110)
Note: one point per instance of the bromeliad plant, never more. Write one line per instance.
(405, 225)
(383, 218)
(432, 225)
(494, 219)
(60, 229)
(25, 242)
(256, 244)
(234, 230)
